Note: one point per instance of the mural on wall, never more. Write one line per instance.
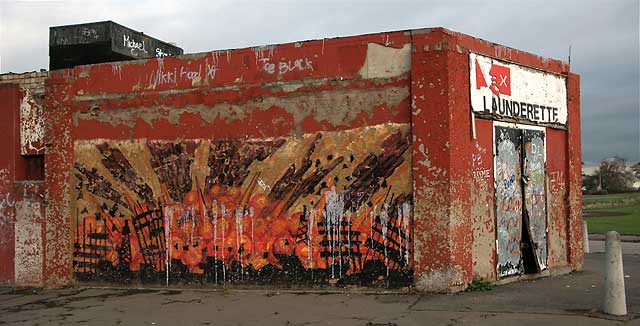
(534, 192)
(314, 209)
(508, 200)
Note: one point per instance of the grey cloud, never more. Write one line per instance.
(603, 34)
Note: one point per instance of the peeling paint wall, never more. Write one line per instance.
(216, 174)
(21, 199)
(31, 124)
(31, 106)
(300, 143)
(29, 234)
(482, 203)
(557, 205)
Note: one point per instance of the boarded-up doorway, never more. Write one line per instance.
(520, 200)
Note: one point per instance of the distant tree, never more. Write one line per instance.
(590, 183)
(636, 170)
(614, 176)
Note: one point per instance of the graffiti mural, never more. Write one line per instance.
(508, 200)
(330, 207)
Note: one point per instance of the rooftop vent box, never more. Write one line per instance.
(81, 44)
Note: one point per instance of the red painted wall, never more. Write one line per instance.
(21, 194)
(8, 131)
(482, 202)
(352, 95)
(316, 87)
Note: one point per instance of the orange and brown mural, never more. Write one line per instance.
(309, 209)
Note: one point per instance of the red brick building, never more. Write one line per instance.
(422, 158)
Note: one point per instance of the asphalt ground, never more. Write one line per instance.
(573, 299)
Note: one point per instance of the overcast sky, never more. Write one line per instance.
(603, 34)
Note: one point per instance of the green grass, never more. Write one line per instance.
(588, 198)
(613, 200)
(628, 222)
(480, 285)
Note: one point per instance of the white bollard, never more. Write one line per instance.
(585, 237)
(615, 302)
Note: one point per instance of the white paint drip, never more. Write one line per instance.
(386, 40)
(6, 202)
(349, 234)
(333, 212)
(384, 221)
(259, 52)
(214, 217)
(239, 214)
(401, 218)
(372, 216)
(311, 217)
(223, 213)
(116, 69)
(252, 242)
(168, 216)
(406, 212)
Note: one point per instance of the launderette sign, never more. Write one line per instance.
(506, 90)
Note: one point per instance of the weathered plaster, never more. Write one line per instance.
(337, 107)
(386, 62)
(31, 125)
(28, 243)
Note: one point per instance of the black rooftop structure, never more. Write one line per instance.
(81, 44)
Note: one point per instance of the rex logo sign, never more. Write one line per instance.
(500, 79)
(506, 91)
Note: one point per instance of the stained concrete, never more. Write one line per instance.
(565, 300)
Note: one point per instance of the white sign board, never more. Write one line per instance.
(512, 91)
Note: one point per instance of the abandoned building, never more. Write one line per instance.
(421, 158)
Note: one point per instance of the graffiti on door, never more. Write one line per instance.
(520, 200)
(508, 201)
(534, 192)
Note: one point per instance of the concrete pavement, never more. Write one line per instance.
(563, 300)
(628, 248)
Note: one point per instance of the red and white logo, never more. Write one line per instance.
(500, 77)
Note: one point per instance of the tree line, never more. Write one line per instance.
(612, 176)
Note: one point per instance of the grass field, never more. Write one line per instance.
(616, 212)
(608, 201)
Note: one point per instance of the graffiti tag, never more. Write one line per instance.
(284, 67)
(556, 181)
(263, 185)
